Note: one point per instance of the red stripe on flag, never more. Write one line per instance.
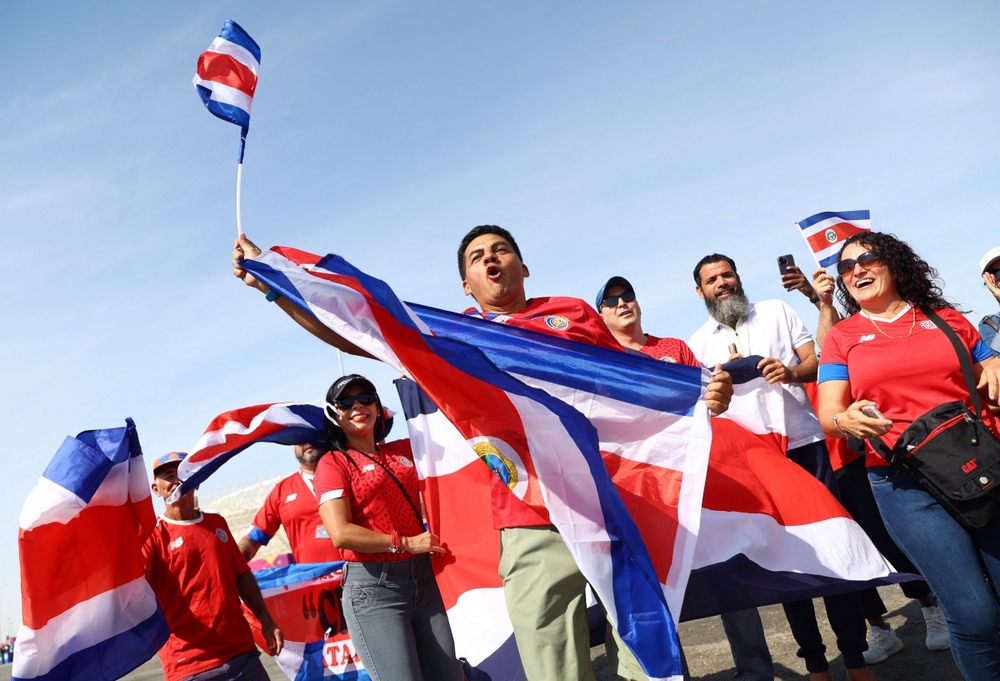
(651, 494)
(748, 473)
(459, 508)
(226, 70)
(98, 551)
(842, 230)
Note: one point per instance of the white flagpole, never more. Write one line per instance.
(340, 360)
(239, 188)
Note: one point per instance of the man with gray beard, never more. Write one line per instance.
(738, 328)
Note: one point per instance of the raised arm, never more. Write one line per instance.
(244, 248)
(823, 285)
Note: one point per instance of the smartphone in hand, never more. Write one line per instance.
(873, 413)
(784, 262)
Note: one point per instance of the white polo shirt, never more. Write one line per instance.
(770, 329)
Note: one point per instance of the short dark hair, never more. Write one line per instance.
(479, 231)
(708, 260)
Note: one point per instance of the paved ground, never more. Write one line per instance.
(709, 658)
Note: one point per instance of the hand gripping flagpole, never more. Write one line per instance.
(226, 80)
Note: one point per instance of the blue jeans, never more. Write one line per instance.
(748, 645)
(955, 562)
(397, 621)
(245, 667)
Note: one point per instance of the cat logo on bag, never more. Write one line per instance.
(969, 466)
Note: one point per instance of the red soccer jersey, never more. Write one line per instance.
(292, 504)
(192, 567)
(669, 350)
(376, 501)
(906, 375)
(569, 318)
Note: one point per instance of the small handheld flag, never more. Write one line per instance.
(825, 233)
(226, 80)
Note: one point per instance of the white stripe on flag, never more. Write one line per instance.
(478, 637)
(235, 51)
(49, 502)
(225, 94)
(84, 625)
(838, 548)
(276, 413)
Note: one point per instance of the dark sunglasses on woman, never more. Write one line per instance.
(612, 301)
(347, 401)
(865, 259)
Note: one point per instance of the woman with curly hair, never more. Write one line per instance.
(889, 354)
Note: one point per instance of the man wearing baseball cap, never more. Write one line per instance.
(989, 267)
(199, 577)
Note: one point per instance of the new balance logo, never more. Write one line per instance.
(867, 337)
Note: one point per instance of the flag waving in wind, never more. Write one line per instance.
(227, 75)
(541, 435)
(825, 233)
(88, 611)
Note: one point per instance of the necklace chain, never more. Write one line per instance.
(913, 310)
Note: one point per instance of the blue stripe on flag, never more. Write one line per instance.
(846, 216)
(830, 260)
(234, 33)
(112, 658)
(661, 386)
(295, 573)
(82, 463)
(226, 112)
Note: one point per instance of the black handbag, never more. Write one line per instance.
(951, 452)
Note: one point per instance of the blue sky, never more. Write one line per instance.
(610, 138)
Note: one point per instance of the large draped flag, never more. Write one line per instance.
(540, 435)
(825, 233)
(226, 77)
(767, 530)
(229, 433)
(89, 614)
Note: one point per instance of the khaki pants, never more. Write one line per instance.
(546, 602)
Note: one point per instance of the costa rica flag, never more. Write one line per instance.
(825, 233)
(226, 76)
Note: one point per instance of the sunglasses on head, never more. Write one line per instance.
(612, 301)
(865, 259)
(347, 401)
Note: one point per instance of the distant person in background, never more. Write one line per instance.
(199, 577)
(292, 504)
(989, 327)
(848, 465)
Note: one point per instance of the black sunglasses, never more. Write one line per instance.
(995, 272)
(865, 259)
(612, 301)
(346, 402)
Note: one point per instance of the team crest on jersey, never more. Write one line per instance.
(665, 358)
(867, 337)
(556, 322)
(831, 236)
(221, 534)
(504, 461)
(406, 462)
(928, 324)
(176, 544)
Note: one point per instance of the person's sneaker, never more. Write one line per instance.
(937, 629)
(881, 644)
